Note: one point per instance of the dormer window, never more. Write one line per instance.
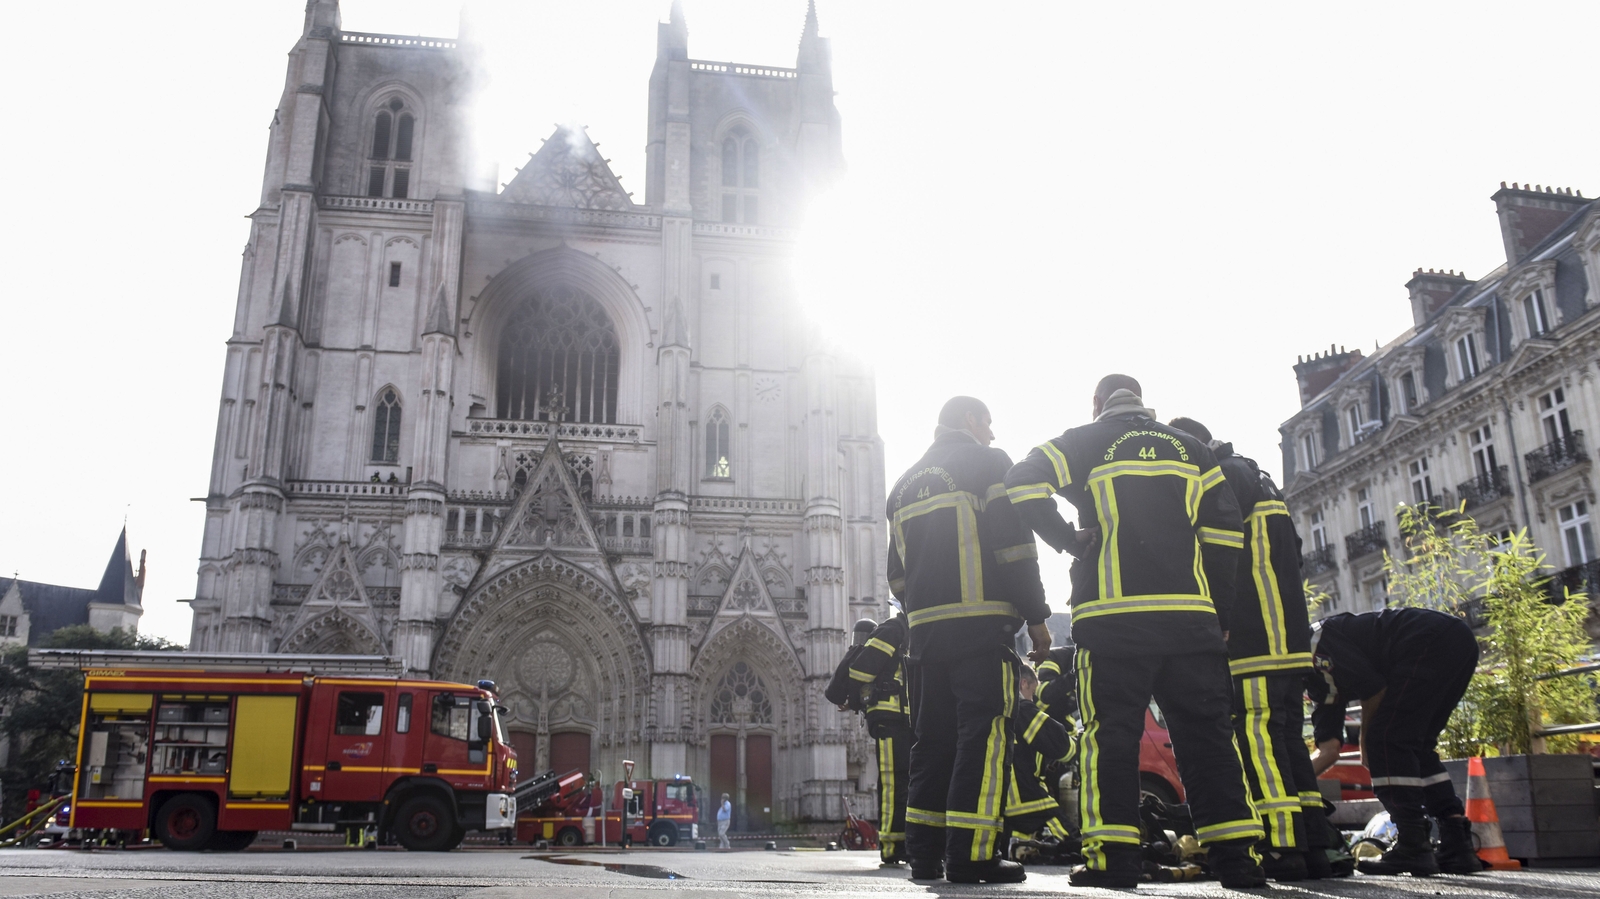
(741, 178)
(1534, 314)
(1354, 419)
(1467, 357)
(389, 163)
(1407, 392)
(1308, 450)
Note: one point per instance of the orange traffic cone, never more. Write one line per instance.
(1485, 820)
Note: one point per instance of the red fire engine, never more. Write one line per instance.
(568, 810)
(206, 750)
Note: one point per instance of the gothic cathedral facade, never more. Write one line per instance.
(545, 434)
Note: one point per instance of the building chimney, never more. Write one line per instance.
(1315, 372)
(1528, 213)
(1430, 290)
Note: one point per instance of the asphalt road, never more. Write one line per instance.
(644, 874)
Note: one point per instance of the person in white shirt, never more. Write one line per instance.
(724, 818)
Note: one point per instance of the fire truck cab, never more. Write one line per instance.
(206, 756)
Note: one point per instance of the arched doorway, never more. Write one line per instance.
(741, 746)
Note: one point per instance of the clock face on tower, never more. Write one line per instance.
(768, 389)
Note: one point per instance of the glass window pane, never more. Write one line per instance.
(402, 138)
(402, 183)
(380, 137)
(359, 714)
(375, 181)
(730, 163)
(402, 715)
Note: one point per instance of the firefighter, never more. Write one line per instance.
(1149, 607)
(1269, 652)
(1032, 813)
(1409, 668)
(967, 573)
(871, 679)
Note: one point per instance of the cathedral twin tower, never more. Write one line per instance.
(584, 446)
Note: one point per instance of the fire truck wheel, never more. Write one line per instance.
(231, 840)
(186, 823)
(426, 823)
(663, 834)
(569, 836)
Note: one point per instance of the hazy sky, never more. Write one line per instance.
(1038, 194)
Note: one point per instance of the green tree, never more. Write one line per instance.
(1454, 567)
(43, 708)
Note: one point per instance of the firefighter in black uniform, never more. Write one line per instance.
(1149, 609)
(1032, 813)
(1269, 652)
(1409, 667)
(967, 573)
(871, 679)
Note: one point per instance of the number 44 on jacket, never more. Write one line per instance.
(203, 751)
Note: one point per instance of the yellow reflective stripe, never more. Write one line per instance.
(1110, 574)
(970, 821)
(923, 816)
(1289, 661)
(882, 646)
(1267, 592)
(1311, 800)
(966, 507)
(898, 585)
(1039, 718)
(1056, 828)
(1147, 468)
(1025, 492)
(1222, 537)
(1269, 507)
(1212, 478)
(1058, 461)
(886, 783)
(1155, 602)
(1048, 666)
(1031, 806)
(961, 610)
(1228, 830)
(1016, 553)
(994, 492)
(1270, 789)
(862, 676)
(1095, 831)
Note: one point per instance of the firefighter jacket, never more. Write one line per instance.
(1268, 630)
(1058, 684)
(1161, 579)
(878, 670)
(1041, 739)
(960, 561)
(1042, 733)
(1356, 656)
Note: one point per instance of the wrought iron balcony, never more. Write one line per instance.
(1485, 488)
(1318, 561)
(1557, 455)
(1583, 578)
(1366, 541)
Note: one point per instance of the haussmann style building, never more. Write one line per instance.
(1485, 401)
(549, 433)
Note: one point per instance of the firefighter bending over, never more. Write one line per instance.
(967, 573)
(1409, 668)
(1032, 813)
(1269, 652)
(1148, 613)
(871, 679)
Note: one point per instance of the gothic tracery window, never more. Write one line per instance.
(741, 171)
(717, 452)
(741, 691)
(389, 166)
(560, 340)
(386, 428)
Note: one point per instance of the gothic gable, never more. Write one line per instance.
(336, 612)
(747, 597)
(550, 516)
(568, 171)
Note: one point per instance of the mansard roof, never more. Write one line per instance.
(568, 171)
(51, 607)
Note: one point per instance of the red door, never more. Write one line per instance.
(355, 756)
(570, 751)
(758, 783)
(724, 776)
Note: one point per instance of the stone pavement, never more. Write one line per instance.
(638, 874)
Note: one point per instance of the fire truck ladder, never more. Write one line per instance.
(302, 663)
(536, 792)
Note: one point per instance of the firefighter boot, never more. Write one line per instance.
(994, 871)
(1411, 854)
(1236, 866)
(927, 869)
(1122, 870)
(1455, 854)
(1284, 865)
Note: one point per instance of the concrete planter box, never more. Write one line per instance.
(1547, 805)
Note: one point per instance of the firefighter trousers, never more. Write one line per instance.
(1268, 720)
(1403, 736)
(1195, 695)
(894, 762)
(1031, 807)
(961, 761)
